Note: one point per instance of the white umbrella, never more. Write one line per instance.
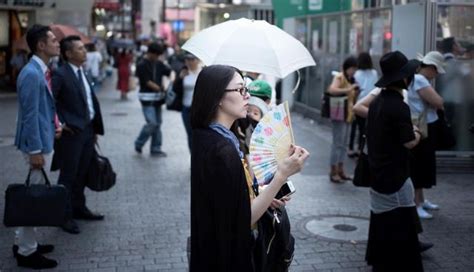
(250, 45)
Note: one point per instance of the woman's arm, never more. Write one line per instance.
(288, 167)
(335, 87)
(361, 108)
(430, 96)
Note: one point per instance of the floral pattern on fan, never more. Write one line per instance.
(270, 143)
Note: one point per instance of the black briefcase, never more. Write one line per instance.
(35, 205)
(100, 176)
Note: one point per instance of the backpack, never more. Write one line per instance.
(274, 246)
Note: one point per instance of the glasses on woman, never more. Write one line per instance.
(243, 90)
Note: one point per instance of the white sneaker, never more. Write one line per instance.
(423, 214)
(429, 206)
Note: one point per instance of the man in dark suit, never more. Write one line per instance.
(79, 111)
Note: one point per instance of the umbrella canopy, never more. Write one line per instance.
(62, 31)
(250, 45)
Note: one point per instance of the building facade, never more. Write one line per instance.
(334, 30)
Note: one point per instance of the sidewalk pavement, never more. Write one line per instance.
(147, 212)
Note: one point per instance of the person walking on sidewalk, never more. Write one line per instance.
(150, 72)
(224, 209)
(79, 111)
(393, 231)
(35, 133)
(424, 101)
(342, 85)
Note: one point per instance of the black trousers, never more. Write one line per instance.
(76, 152)
(357, 124)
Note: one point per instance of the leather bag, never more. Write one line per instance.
(35, 205)
(362, 175)
(100, 176)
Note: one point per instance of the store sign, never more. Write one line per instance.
(315, 4)
(107, 4)
(29, 3)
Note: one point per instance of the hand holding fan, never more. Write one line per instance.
(270, 143)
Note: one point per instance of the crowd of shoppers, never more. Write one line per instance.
(396, 113)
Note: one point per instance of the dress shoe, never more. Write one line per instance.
(86, 214)
(42, 249)
(35, 261)
(71, 227)
(424, 246)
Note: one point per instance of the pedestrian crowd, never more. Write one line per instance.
(235, 224)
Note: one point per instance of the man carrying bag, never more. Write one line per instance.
(36, 128)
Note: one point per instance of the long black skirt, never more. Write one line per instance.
(423, 161)
(393, 241)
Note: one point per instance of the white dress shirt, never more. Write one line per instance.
(87, 87)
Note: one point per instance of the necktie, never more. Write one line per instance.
(48, 79)
(47, 75)
(81, 83)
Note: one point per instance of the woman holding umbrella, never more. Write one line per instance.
(224, 209)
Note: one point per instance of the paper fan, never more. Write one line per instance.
(270, 143)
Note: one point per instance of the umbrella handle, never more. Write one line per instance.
(297, 82)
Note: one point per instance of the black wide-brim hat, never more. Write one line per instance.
(395, 66)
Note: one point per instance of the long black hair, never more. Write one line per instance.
(364, 61)
(348, 63)
(208, 92)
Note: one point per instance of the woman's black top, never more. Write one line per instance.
(220, 206)
(388, 128)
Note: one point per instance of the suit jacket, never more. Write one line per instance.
(35, 122)
(71, 101)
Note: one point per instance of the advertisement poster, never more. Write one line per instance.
(376, 40)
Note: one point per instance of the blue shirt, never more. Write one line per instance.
(416, 103)
(366, 80)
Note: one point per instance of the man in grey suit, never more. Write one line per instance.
(37, 125)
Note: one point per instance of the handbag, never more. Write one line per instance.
(362, 175)
(100, 176)
(325, 105)
(275, 245)
(338, 108)
(444, 138)
(35, 205)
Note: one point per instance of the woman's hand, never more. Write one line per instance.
(278, 203)
(294, 163)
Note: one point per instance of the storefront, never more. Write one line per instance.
(14, 19)
(334, 30)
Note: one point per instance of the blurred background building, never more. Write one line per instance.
(333, 30)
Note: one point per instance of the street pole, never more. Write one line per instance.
(163, 11)
(178, 19)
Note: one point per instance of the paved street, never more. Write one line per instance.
(147, 212)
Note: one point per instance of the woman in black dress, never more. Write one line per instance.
(393, 244)
(223, 206)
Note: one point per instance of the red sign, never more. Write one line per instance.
(107, 4)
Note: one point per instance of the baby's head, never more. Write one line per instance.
(257, 108)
